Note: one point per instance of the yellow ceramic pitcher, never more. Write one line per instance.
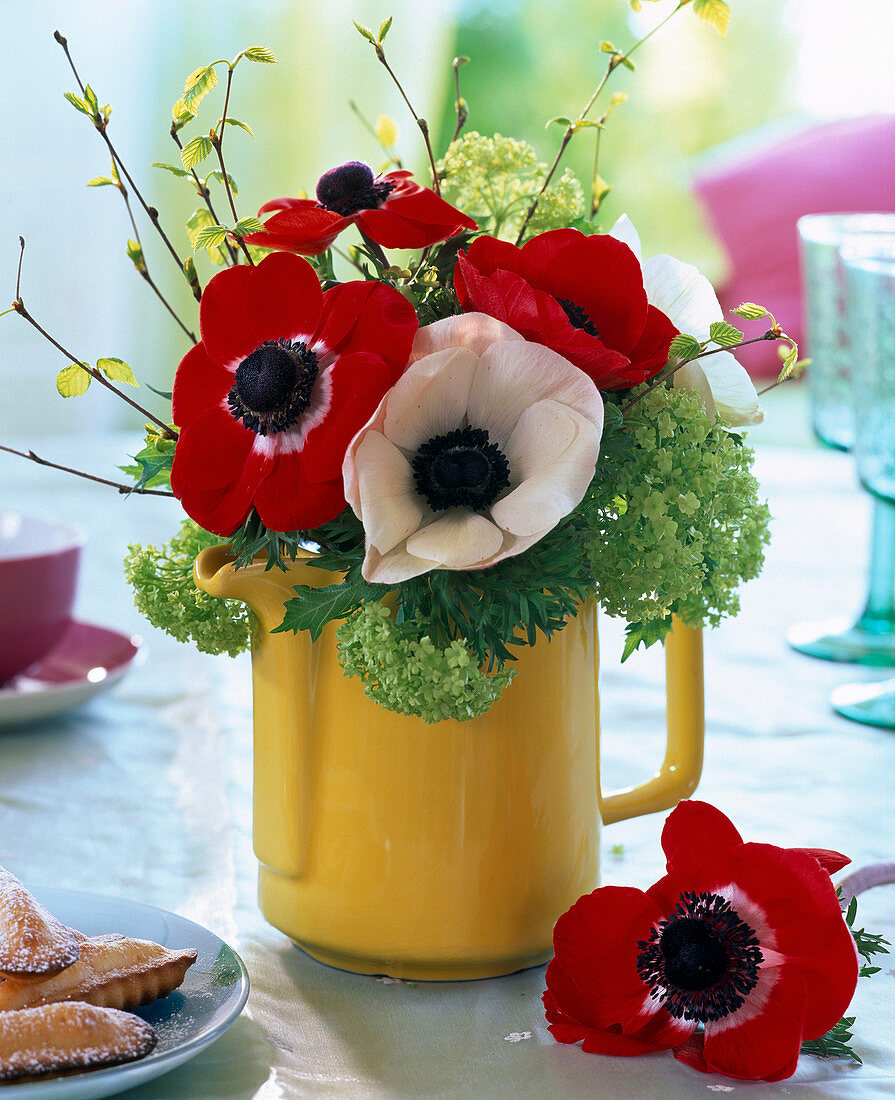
(389, 846)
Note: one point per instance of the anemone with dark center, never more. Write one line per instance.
(272, 386)
(460, 468)
(352, 187)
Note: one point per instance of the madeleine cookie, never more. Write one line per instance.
(60, 1038)
(120, 973)
(33, 944)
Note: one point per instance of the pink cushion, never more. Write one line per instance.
(753, 202)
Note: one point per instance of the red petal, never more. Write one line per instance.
(490, 254)
(221, 511)
(228, 330)
(692, 1052)
(650, 354)
(305, 229)
(359, 383)
(287, 501)
(284, 297)
(273, 205)
(199, 385)
(368, 316)
(828, 859)
(765, 1045)
(695, 836)
(412, 217)
(211, 452)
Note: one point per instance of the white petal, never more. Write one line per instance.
(391, 508)
(732, 392)
(624, 231)
(684, 295)
(513, 376)
(558, 460)
(459, 540)
(395, 566)
(476, 331)
(430, 397)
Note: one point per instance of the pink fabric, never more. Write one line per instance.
(754, 201)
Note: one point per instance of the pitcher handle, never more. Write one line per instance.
(685, 731)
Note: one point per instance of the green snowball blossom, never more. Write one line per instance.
(494, 179)
(674, 515)
(164, 591)
(405, 672)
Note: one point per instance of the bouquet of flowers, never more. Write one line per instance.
(514, 415)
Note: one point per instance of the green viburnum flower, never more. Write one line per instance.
(675, 519)
(494, 179)
(162, 580)
(405, 672)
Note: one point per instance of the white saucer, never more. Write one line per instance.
(88, 660)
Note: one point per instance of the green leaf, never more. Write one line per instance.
(248, 225)
(135, 252)
(182, 113)
(628, 63)
(644, 634)
(607, 47)
(101, 181)
(365, 32)
(73, 380)
(836, 1042)
(219, 176)
(197, 86)
(384, 27)
(684, 346)
(750, 311)
(106, 111)
(261, 54)
(77, 103)
(153, 469)
(172, 168)
(312, 608)
(92, 101)
(195, 151)
(117, 370)
(789, 362)
(560, 120)
(725, 335)
(241, 125)
(210, 237)
(714, 12)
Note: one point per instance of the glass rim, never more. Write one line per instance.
(835, 227)
(874, 255)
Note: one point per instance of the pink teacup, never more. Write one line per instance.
(39, 561)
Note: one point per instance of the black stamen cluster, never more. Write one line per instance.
(350, 188)
(578, 317)
(461, 468)
(272, 386)
(702, 962)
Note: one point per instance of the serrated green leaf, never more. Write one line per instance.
(73, 380)
(210, 237)
(197, 86)
(384, 27)
(726, 336)
(261, 54)
(117, 370)
(312, 608)
(172, 168)
(248, 225)
(195, 151)
(77, 103)
(714, 12)
(100, 181)
(218, 175)
(750, 311)
(684, 346)
(182, 113)
(365, 32)
(789, 361)
(92, 101)
(241, 125)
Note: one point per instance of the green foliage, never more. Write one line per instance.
(714, 12)
(195, 151)
(172, 168)
(312, 608)
(197, 86)
(198, 221)
(253, 538)
(162, 580)
(495, 179)
(724, 335)
(836, 1042)
(868, 944)
(209, 237)
(673, 520)
(135, 253)
(259, 54)
(248, 225)
(117, 371)
(684, 347)
(235, 122)
(154, 461)
(403, 670)
(73, 380)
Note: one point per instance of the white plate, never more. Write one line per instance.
(212, 995)
(86, 661)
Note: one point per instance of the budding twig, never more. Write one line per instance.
(421, 122)
(459, 102)
(204, 194)
(217, 140)
(120, 486)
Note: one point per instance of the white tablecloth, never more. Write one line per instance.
(145, 793)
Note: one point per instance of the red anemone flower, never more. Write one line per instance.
(268, 401)
(581, 295)
(747, 940)
(391, 210)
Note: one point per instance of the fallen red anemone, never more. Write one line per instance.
(745, 941)
(268, 401)
(391, 210)
(581, 295)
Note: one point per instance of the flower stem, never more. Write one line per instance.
(151, 211)
(459, 105)
(421, 122)
(375, 249)
(615, 60)
(204, 194)
(217, 141)
(122, 488)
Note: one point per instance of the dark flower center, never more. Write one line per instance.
(273, 385)
(350, 188)
(702, 962)
(462, 468)
(578, 317)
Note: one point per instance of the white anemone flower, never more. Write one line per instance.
(481, 447)
(689, 302)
